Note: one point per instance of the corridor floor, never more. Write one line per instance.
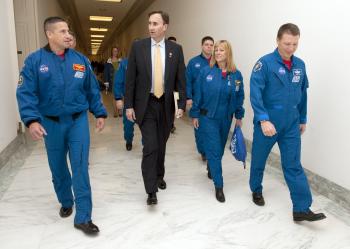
(187, 215)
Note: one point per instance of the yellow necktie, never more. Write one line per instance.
(158, 74)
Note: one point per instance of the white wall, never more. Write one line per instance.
(9, 74)
(251, 26)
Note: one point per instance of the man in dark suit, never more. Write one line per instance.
(155, 68)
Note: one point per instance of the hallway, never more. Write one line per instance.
(187, 216)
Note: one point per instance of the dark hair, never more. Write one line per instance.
(165, 16)
(288, 28)
(172, 38)
(206, 38)
(52, 20)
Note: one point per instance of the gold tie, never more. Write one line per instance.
(158, 74)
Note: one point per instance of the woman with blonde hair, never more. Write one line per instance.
(218, 95)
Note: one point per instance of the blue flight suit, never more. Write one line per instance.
(57, 92)
(192, 71)
(215, 101)
(119, 91)
(279, 95)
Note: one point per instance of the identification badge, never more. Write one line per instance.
(237, 83)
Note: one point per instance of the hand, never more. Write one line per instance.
(239, 123)
(189, 103)
(119, 103)
(36, 131)
(302, 128)
(179, 113)
(195, 123)
(130, 114)
(100, 124)
(268, 128)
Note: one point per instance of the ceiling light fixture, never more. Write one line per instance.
(98, 36)
(114, 1)
(95, 40)
(99, 29)
(101, 18)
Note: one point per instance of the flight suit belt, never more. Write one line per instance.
(280, 107)
(57, 118)
(203, 112)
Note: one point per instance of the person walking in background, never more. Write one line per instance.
(110, 67)
(192, 71)
(218, 96)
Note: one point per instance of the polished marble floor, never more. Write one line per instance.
(187, 216)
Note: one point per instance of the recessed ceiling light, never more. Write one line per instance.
(95, 43)
(114, 1)
(96, 40)
(99, 29)
(98, 36)
(101, 18)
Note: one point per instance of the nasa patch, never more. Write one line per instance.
(20, 81)
(43, 68)
(197, 65)
(209, 77)
(282, 71)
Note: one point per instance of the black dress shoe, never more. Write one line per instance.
(65, 212)
(88, 228)
(308, 216)
(161, 184)
(204, 159)
(209, 174)
(152, 199)
(173, 129)
(128, 146)
(219, 193)
(258, 199)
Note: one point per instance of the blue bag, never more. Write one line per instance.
(237, 145)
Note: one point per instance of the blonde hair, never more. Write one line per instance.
(230, 65)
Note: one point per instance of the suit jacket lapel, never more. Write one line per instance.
(148, 59)
(168, 56)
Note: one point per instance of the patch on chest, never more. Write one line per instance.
(79, 67)
(209, 78)
(197, 65)
(43, 68)
(296, 75)
(79, 75)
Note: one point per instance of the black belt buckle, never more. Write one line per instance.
(203, 112)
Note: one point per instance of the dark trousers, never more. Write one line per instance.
(155, 133)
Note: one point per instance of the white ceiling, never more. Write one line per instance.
(86, 8)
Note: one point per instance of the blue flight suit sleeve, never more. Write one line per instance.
(257, 85)
(93, 94)
(197, 96)
(119, 81)
(189, 80)
(303, 103)
(27, 94)
(239, 113)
